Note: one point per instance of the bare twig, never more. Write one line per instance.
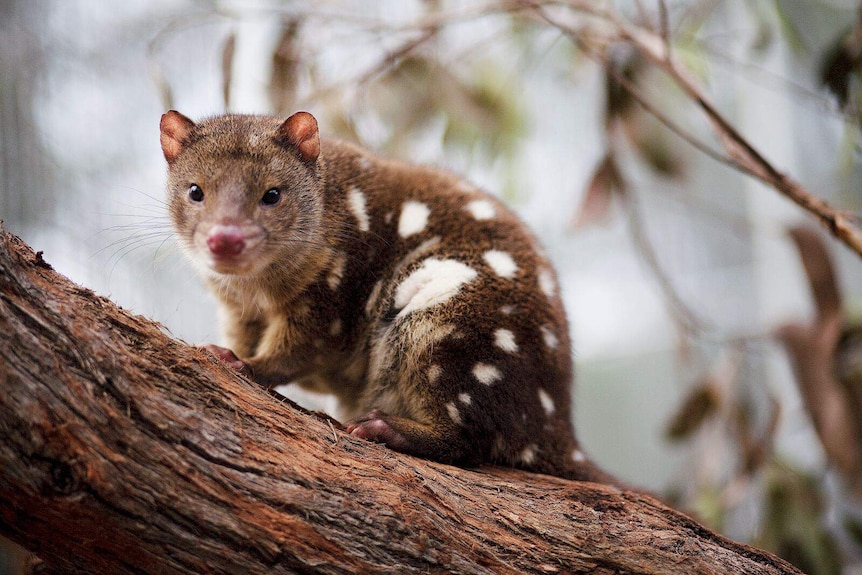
(385, 63)
(684, 316)
(664, 25)
(743, 155)
(740, 153)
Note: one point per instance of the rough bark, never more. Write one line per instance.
(123, 450)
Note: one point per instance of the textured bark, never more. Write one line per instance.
(125, 451)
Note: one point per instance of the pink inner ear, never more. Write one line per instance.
(301, 131)
(175, 132)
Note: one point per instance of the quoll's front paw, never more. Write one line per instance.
(229, 358)
(374, 427)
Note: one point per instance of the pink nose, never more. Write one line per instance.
(225, 241)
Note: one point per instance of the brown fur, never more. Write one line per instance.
(372, 280)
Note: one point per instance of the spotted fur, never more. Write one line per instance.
(421, 302)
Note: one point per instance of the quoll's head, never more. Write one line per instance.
(244, 191)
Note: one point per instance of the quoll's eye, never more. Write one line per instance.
(196, 194)
(271, 197)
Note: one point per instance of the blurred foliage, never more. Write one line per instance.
(605, 184)
(286, 62)
(848, 363)
(228, 49)
(841, 65)
(793, 521)
(701, 403)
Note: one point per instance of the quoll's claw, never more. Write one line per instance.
(374, 427)
(229, 357)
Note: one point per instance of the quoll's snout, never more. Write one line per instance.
(226, 240)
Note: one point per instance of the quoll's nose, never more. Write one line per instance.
(226, 241)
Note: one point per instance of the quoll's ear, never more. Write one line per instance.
(300, 130)
(176, 130)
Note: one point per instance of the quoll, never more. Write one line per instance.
(423, 304)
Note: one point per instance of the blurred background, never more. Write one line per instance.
(698, 336)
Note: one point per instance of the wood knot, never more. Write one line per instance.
(63, 479)
(41, 262)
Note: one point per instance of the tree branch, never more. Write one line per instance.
(740, 153)
(125, 451)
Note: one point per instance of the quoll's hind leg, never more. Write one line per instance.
(438, 442)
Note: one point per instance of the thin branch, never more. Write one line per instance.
(386, 63)
(664, 25)
(741, 154)
(685, 317)
(635, 93)
(643, 14)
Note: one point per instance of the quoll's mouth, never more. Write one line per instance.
(230, 248)
(243, 264)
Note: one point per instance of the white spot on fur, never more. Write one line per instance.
(434, 373)
(453, 412)
(481, 209)
(356, 202)
(433, 283)
(421, 251)
(335, 275)
(335, 327)
(363, 162)
(505, 340)
(428, 330)
(465, 398)
(301, 308)
(487, 374)
(499, 446)
(501, 262)
(388, 217)
(578, 456)
(414, 218)
(507, 309)
(547, 402)
(372, 299)
(528, 454)
(550, 337)
(547, 283)
(356, 369)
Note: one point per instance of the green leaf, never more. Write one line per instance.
(606, 183)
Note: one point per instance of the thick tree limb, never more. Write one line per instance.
(125, 451)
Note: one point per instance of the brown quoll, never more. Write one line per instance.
(423, 304)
